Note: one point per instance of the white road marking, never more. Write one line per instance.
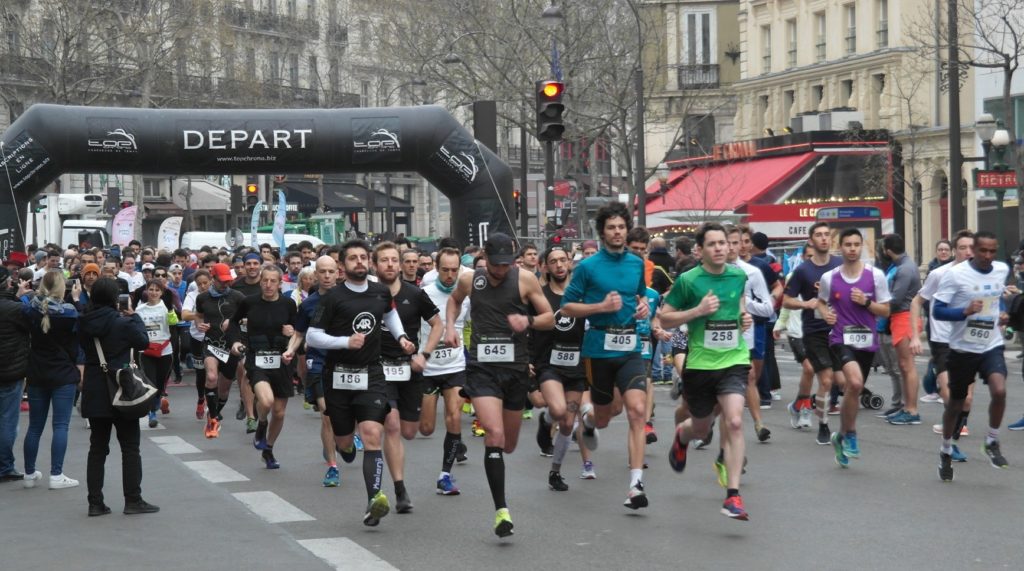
(174, 445)
(272, 507)
(215, 471)
(343, 553)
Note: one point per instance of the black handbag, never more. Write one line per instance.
(131, 393)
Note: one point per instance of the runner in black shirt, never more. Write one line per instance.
(404, 375)
(248, 284)
(270, 317)
(348, 326)
(214, 309)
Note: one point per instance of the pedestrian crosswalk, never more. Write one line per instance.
(271, 507)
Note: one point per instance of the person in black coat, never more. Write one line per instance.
(118, 333)
(14, 348)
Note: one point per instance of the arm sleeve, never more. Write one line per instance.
(319, 339)
(394, 323)
(943, 312)
(760, 302)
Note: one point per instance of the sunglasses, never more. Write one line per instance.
(160, 275)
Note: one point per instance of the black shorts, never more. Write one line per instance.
(964, 367)
(818, 353)
(623, 373)
(570, 383)
(702, 388)
(280, 380)
(940, 356)
(846, 354)
(439, 383)
(315, 383)
(229, 370)
(510, 385)
(680, 343)
(796, 344)
(407, 397)
(345, 407)
(195, 349)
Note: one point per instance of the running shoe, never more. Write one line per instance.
(823, 434)
(677, 453)
(837, 445)
(766, 404)
(376, 509)
(502, 523)
(165, 406)
(527, 414)
(931, 398)
(1019, 425)
(587, 472)
(794, 415)
(467, 408)
(721, 472)
(650, 434)
(200, 410)
(833, 410)
(945, 467)
(937, 429)
(269, 460)
(240, 413)
(332, 479)
(805, 417)
(544, 435)
(307, 405)
(460, 455)
(889, 412)
(403, 505)
(677, 389)
(590, 439)
(636, 498)
(348, 456)
(763, 434)
(250, 425)
(995, 456)
(957, 455)
(357, 441)
(259, 441)
(904, 418)
(29, 480)
(446, 486)
(478, 430)
(152, 419)
(556, 482)
(850, 446)
(733, 508)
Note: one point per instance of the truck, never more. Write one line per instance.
(66, 219)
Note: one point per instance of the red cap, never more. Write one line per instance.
(221, 272)
(18, 258)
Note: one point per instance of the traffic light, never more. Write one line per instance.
(549, 110)
(126, 204)
(252, 191)
(516, 203)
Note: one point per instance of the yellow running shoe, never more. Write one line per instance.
(502, 523)
(721, 472)
(377, 509)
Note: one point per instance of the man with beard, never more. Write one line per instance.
(445, 371)
(497, 372)
(214, 308)
(248, 285)
(402, 373)
(348, 326)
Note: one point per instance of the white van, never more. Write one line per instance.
(196, 240)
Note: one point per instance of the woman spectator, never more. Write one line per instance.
(156, 359)
(307, 280)
(53, 376)
(118, 333)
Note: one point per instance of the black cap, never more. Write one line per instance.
(499, 249)
(759, 240)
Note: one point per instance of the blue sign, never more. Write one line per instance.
(849, 213)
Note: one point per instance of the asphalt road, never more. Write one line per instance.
(887, 510)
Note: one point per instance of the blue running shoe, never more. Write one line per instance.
(957, 455)
(850, 447)
(268, 458)
(837, 444)
(446, 486)
(1019, 425)
(332, 479)
(904, 418)
(358, 441)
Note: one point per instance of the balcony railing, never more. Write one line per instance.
(240, 17)
(701, 76)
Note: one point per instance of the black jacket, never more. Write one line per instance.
(14, 340)
(54, 357)
(118, 335)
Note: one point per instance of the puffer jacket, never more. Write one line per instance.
(14, 339)
(118, 335)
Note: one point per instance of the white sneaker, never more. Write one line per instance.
(805, 418)
(777, 395)
(931, 398)
(31, 479)
(61, 481)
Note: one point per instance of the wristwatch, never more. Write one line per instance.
(867, 303)
(529, 320)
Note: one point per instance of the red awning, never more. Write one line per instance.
(723, 187)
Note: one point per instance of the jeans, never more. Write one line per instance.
(39, 400)
(10, 403)
(128, 436)
(660, 372)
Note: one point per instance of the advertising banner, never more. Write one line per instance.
(122, 230)
(279, 219)
(254, 223)
(167, 238)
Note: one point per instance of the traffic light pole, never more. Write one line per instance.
(524, 166)
(549, 179)
(640, 193)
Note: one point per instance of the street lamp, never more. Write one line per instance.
(999, 142)
(985, 127)
(661, 173)
(551, 17)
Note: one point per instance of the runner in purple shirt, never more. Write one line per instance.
(852, 296)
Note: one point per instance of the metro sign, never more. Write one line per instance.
(994, 180)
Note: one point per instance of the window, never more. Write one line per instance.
(112, 57)
(788, 99)
(846, 91)
(275, 66)
(250, 62)
(314, 72)
(13, 40)
(151, 189)
(819, 39)
(791, 39)
(764, 102)
(293, 69)
(883, 23)
(766, 49)
(332, 74)
(311, 10)
(817, 96)
(271, 6)
(698, 39)
(364, 93)
(229, 62)
(364, 34)
(49, 39)
(851, 28)
(293, 8)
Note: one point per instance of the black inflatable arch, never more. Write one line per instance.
(49, 140)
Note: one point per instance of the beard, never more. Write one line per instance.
(559, 280)
(356, 275)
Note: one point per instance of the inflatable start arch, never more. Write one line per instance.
(49, 140)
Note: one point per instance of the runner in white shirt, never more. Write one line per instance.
(200, 283)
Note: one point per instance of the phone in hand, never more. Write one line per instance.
(73, 282)
(123, 302)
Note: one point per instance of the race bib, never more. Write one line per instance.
(620, 339)
(444, 355)
(721, 335)
(858, 337)
(268, 360)
(565, 355)
(350, 378)
(495, 352)
(396, 371)
(979, 331)
(220, 354)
